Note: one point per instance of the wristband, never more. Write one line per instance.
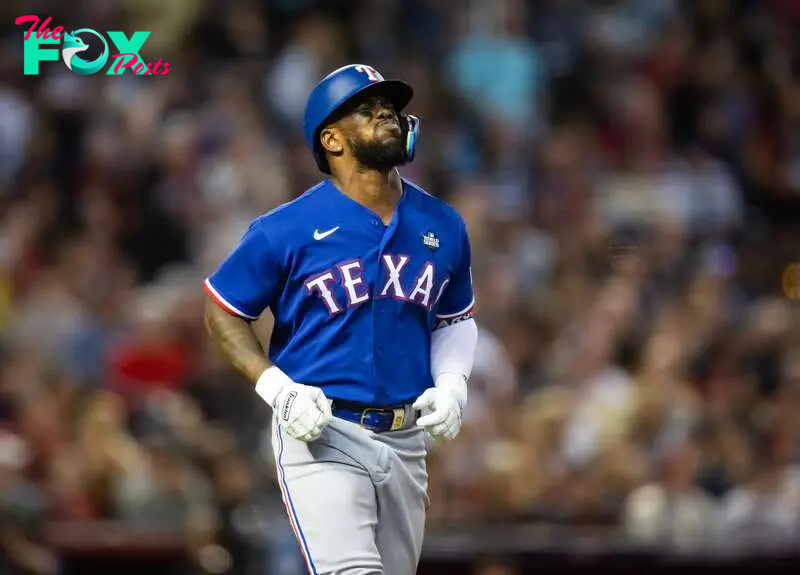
(270, 383)
(455, 383)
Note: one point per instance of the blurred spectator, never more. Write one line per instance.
(673, 510)
(243, 527)
(496, 66)
(170, 495)
(22, 511)
(495, 567)
(763, 511)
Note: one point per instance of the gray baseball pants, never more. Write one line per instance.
(356, 499)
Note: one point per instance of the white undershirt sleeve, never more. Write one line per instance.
(453, 348)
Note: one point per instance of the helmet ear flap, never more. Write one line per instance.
(410, 125)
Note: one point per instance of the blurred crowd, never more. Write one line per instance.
(629, 171)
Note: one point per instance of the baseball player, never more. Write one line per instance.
(369, 281)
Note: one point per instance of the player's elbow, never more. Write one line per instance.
(215, 318)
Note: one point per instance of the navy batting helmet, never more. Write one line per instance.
(340, 86)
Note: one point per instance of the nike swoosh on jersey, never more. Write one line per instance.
(318, 235)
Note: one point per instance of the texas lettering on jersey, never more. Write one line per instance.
(354, 300)
(349, 276)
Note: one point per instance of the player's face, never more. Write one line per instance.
(373, 134)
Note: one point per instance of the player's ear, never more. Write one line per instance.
(331, 140)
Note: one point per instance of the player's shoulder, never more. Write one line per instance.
(285, 216)
(432, 206)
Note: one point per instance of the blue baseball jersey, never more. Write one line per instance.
(355, 301)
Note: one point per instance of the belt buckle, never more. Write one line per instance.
(398, 417)
(364, 413)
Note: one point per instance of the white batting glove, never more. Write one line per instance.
(442, 406)
(302, 410)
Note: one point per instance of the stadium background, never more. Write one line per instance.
(629, 171)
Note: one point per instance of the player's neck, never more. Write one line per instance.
(377, 191)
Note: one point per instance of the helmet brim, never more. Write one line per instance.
(397, 92)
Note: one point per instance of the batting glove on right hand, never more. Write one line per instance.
(302, 410)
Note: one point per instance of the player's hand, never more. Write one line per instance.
(442, 406)
(302, 410)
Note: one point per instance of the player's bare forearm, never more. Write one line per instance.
(237, 342)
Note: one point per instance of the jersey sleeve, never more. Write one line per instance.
(458, 298)
(247, 281)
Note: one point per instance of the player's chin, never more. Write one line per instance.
(391, 144)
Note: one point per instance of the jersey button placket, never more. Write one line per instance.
(377, 349)
(381, 331)
(379, 312)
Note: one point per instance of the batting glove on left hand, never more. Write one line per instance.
(442, 406)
